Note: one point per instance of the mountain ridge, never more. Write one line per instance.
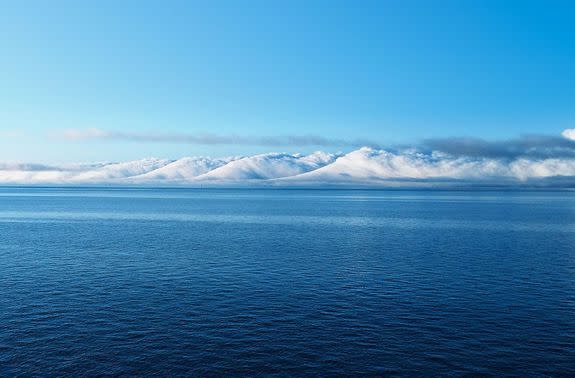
(366, 165)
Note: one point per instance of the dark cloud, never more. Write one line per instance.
(528, 146)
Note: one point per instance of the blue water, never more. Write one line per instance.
(286, 282)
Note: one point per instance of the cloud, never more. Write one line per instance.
(83, 134)
(364, 166)
(209, 139)
(530, 146)
(539, 160)
(527, 146)
(569, 134)
(28, 167)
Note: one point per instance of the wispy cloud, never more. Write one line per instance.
(209, 139)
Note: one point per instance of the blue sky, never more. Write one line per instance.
(386, 71)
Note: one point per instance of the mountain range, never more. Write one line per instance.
(363, 167)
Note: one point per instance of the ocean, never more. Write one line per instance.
(280, 282)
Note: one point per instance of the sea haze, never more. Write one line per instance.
(120, 281)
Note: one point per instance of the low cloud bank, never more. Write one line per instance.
(528, 160)
(529, 146)
(365, 166)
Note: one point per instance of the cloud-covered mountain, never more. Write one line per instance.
(187, 168)
(365, 166)
(268, 166)
(374, 166)
(114, 171)
(23, 173)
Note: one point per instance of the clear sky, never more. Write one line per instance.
(385, 71)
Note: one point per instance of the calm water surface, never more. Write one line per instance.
(286, 282)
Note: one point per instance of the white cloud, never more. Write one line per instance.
(569, 134)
